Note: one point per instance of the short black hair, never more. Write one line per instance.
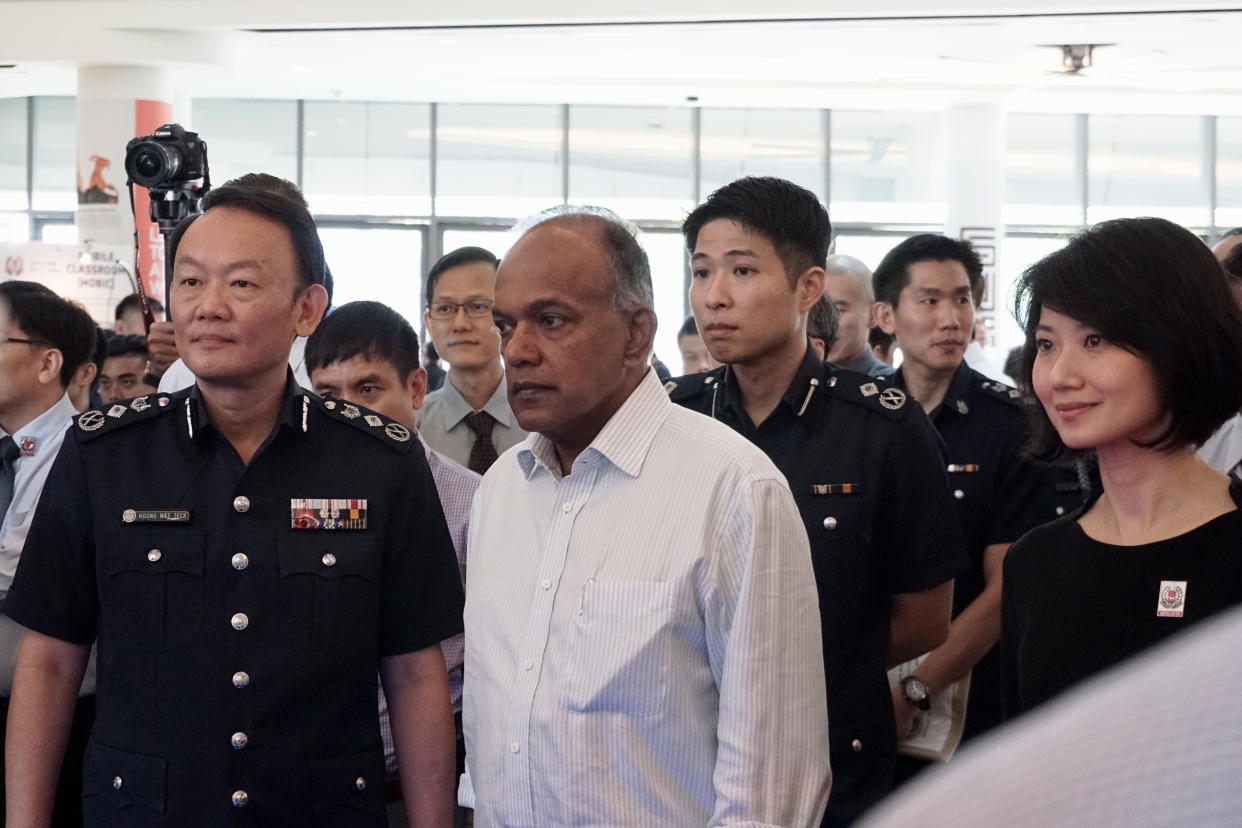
(45, 317)
(788, 216)
(274, 203)
(456, 258)
(822, 321)
(1153, 288)
(134, 303)
(127, 344)
(368, 329)
(893, 273)
(688, 328)
(877, 337)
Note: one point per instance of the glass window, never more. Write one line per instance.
(59, 233)
(367, 158)
(636, 161)
(382, 263)
(55, 142)
(666, 251)
(1042, 183)
(13, 154)
(888, 167)
(245, 136)
(1017, 253)
(14, 228)
(787, 143)
(498, 240)
(1228, 172)
(868, 248)
(1147, 165)
(497, 160)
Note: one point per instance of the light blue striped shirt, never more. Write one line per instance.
(643, 634)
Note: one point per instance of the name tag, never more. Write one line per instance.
(327, 513)
(155, 516)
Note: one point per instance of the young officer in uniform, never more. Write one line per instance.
(247, 587)
(864, 464)
(927, 288)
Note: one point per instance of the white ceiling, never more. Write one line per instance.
(1164, 56)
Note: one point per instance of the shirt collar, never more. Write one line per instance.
(456, 408)
(624, 441)
(292, 413)
(810, 374)
(46, 426)
(956, 396)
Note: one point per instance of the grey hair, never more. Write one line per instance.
(631, 269)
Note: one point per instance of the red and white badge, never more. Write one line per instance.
(1172, 603)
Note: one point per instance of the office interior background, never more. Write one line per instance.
(415, 131)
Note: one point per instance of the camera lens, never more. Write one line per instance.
(151, 164)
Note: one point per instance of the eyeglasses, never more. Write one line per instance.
(477, 308)
(6, 339)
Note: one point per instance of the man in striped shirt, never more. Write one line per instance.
(643, 620)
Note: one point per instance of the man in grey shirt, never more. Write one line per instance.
(468, 419)
(848, 286)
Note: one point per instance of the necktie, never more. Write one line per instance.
(483, 453)
(8, 453)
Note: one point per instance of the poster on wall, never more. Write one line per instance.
(105, 215)
(97, 276)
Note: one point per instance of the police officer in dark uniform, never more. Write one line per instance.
(927, 288)
(863, 462)
(246, 586)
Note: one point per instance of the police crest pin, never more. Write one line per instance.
(91, 420)
(1172, 600)
(27, 446)
(892, 398)
(869, 389)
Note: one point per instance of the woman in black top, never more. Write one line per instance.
(1134, 350)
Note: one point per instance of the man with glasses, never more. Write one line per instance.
(43, 340)
(468, 419)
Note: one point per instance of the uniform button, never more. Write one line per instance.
(856, 745)
(240, 561)
(239, 740)
(567, 507)
(241, 503)
(1060, 510)
(240, 798)
(959, 494)
(117, 782)
(514, 747)
(240, 621)
(241, 679)
(546, 583)
(328, 559)
(527, 664)
(360, 783)
(830, 522)
(154, 555)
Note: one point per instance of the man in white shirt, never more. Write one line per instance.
(43, 340)
(643, 618)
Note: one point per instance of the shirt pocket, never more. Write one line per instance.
(123, 788)
(154, 579)
(334, 579)
(621, 646)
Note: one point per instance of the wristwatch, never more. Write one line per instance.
(916, 692)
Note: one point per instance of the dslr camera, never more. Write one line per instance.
(169, 159)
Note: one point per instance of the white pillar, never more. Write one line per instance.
(976, 187)
(116, 104)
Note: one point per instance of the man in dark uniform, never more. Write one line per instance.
(864, 465)
(927, 288)
(246, 586)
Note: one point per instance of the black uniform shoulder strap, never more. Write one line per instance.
(869, 392)
(95, 422)
(388, 431)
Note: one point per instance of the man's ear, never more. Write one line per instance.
(882, 313)
(810, 286)
(311, 304)
(49, 366)
(416, 387)
(642, 329)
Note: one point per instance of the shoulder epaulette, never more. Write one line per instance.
(690, 386)
(869, 392)
(390, 432)
(1001, 391)
(94, 422)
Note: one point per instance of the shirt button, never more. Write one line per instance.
(546, 583)
(117, 782)
(1060, 510)
(856, 745)
(240, 561)
(830, 522)
(527, 664)
(959, 494)
(240, 740)
(360, 783)
(328, 559)
(240, 798)
(567, 507)
(241, 503)
(514, 747)
(153, 555)
(241, 679)
(240, 621)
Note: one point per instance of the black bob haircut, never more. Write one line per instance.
(788, 216)
(368, 329)
(456, 258)
(1153, 288)
(893, 273)
(51, 320)
(822, 322)
(276, 200)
